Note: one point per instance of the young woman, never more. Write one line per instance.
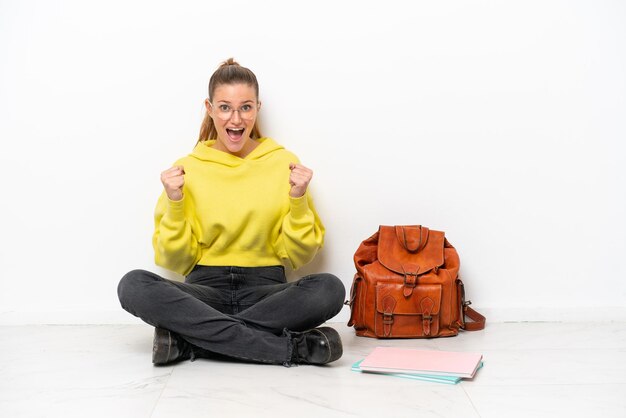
(232, 214)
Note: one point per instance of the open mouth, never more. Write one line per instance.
(235, 134)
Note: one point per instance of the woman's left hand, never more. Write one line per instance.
(299, 178)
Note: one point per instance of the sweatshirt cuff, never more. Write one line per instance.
(299, 206)
(175, 208)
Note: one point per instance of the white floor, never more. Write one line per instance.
(531, 370)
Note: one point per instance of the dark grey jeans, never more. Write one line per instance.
(247, 313)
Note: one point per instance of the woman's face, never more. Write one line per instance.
(234, 110)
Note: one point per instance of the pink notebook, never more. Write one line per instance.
(411, 360)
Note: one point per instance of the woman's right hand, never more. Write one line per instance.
(173, 180)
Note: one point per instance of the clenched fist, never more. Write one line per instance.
(299, 179)
(173, 180)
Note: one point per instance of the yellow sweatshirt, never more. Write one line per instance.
(236, 212)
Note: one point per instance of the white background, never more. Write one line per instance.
(500, 123)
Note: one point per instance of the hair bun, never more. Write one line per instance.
(229, 61)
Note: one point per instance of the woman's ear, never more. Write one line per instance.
(208, 106)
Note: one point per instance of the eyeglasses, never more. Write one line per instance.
(225, 112)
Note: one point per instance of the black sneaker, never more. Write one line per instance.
(168, 347)
(317, 346)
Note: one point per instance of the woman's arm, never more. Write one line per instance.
(302, 232)
(175, 244)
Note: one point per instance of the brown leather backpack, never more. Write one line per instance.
(407, 286)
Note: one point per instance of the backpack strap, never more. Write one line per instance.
(478, 320)
(353, 292)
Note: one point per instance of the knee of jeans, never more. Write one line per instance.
(333, 288)
(130, 285)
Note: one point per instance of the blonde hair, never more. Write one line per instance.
(229, 72)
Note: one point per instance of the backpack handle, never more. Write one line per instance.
(413, 238)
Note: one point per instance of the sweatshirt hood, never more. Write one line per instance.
(204, 151)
